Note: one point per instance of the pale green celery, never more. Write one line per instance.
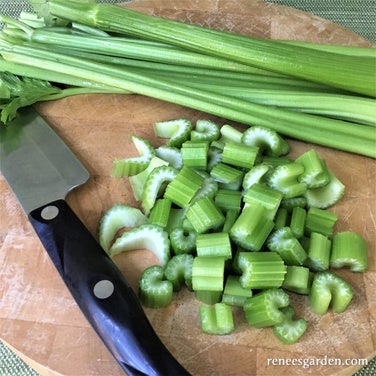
(217, 319)
(326, 196)
(176, 130)
(204, 215)
(171, 155)
(208, 273)
(179, 271)
(230, 217)
(255, 175)
(205, 130)
(252, 227)
(176, 219)
(291, 203)
(209, 187)
(319, 249)
(114, 219)
(284, 178)
(261, 270)
(349, 249)
(184, 186)
(321, 221)
(208, 297)
(160, 212)
(214, 156)
(289, 330)
(297, 221)
(281, 218)
(283, 242)
(263, 309)
(155, 185)
(227, 199)
(194, 154)
(229, 133)
(146, 236)
(298, 279)
(239, 155)
(261, 194)
(182, 241)
(134, 165)
(226, 174)
(214, 244)
(154, 291)
(329, 290)
(233, 293)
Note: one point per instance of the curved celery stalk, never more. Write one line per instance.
(135, 165)
(255, 175)
(171, 155)
(289, 330)
(150, 237)
(181, 241)
(328, 289)
(154, 292)
(116, 218)
(205, 130)
(217, 319)
(179, 271)
(208, 188)
(176, 130)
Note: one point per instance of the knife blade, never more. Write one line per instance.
(41, 170)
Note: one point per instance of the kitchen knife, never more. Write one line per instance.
(41, 170)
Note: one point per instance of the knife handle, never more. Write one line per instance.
(102, 293)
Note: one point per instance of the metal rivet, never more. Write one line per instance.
(103, 289)
(49, 212)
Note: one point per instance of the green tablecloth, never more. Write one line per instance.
(355, 15)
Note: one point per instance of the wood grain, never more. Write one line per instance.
(38, 317)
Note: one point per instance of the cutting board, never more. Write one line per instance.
(41, 322)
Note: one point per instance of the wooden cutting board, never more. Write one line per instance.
(38, 317)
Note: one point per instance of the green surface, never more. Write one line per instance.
(356, 15)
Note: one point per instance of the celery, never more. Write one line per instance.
(230, 218)
(208, 273)
(227, 199)
(194, 154)
(182, 241)
(205, 130)
(209, 187)
(233, 293)
(281, 218)
(318, 253)
(226, 174)
(176, 130)
(154, 292)
(229, 133)
(289, 330)
(239, 155)
(160, 212)
(215, 244)
(208, 297)
(321, 221)
(297, 222)
(298, 279)
(349, 249)
(255, 175)
(171, 155)
(179, 271)
(217, 319)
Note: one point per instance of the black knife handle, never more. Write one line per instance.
(102, 293)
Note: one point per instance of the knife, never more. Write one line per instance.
(41, 170)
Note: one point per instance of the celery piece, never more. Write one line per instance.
(315, 173)
(179, 271)
(327, 290)
(318, 253)
(289, 330)
(208, 297)
(239, 155)
(205, 130)
(184, 186)
(293, 202)
(284, 178)
(268, 141)
(226, 174)
(214, 157)
(321, 221)
(204, 215)
(297, 221)
(261, 270)
(155, 184)
(261, 194)
(208, 273)
(146, 236)
(298, 279)
(176, 130)
(349, 249)
(214, 244)
(252, 227)
(229, 133)
(135, 165)
(175, 219)
(160, 212)
(209, 187)
(227, 199)
(194, 154)
(114, 219)
(255, 175)
(217, 319)
(154, 292)
(284, 242)
(230, 218)
(171, 155)
(138, 181)
(326, 196)
(182, 241)
(234, 293)
(281, 218)
(263, 309)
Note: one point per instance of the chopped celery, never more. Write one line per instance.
(349, 249)
(289, 330)
(205, 130)
(263, 309)
(228, 199)
(234, 293)
(208, 297)
(297, 222)
(281, 218)
(261, 270)
(116, 218)
(293, 202)
(226, 174)
(179, 271)
(194, 154)
(160, 212)
(154, 292)
(171, 155)
(182, 241)
(208, 273)
(230, 217)
(209, 187)
(328, 289)
(297, 279)
(150, 237)
(239, 155)
(319, 247)
(321, 221)
(214, 244)
(255, 175)
(217, 319)
(229, 133)
(176, 130)
(135, 165)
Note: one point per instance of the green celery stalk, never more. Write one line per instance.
(179, 271)
(217, 319)
(289, 330)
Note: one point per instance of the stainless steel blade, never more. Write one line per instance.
(37, 164)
